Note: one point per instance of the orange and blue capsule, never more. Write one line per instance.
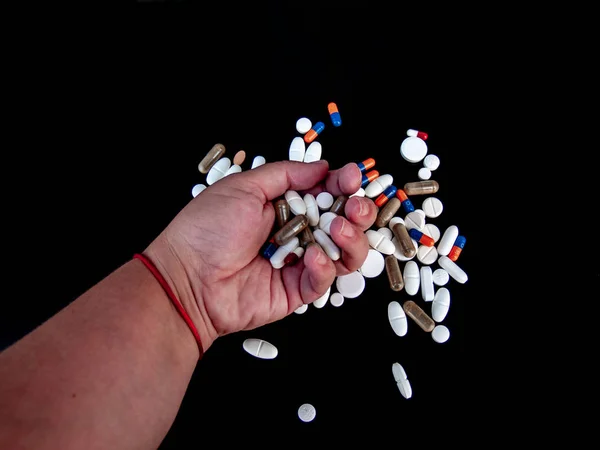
(368, 177)
(366, 164)
(389, 192)
(459, 244)
(334, 114)
(417, 133)
(421, 237)
(269, 248)
(314, 132)
(405, 201)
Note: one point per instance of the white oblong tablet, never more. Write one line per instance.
(332, 250)
(324, 200)
(440, 334)
(197, 189)
(432, 231)
(374, 264)
(427, 288)
(313, 152)
(233, 169)
(447, 240)
(282, 251)
(325, 221)
(401, 380)
(440, 305)
(380, 243)
(378, 185)
(453, 269)
(218, 171)
(386, 232)
(440, 277)
(398, 372)
(359, 193)
(413, 149)
(336, 299)
(412, 278)
(398, 252)
(312, 209)
(397, 318)
(301, 309)
(322, 300)
(258, 161)
(424, 173)
(260, 349)
(427, 255)
(433, 207)
(296, 203)
(297, 149)
(351, 285)
(307, 412)
(415, 220)
(303, 125)
(432, 162)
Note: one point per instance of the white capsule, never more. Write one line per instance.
(397, 318)
(332, 250)
(322, 300)
(380, 243)
(378, 185)
(440, 305)
(427, 255)
(424, 173)
(301, 309)
(324, 200)
(432, 231)
(412, 278)
(401, 380)
(440, 277)
(453, 269)
(414, 219)
(447, 240)
(233, 169)
(440, 334)
(297, 205)
(278, 257)
(313, 152)
(297, 149)
(197, 189)
(432, 162)
(260, 349)
(351, 285)
(258, 161)
(413, 149)
(386, 232)
(427, 288)
(359, 193)
(336, 299)
(303, 125)
(325, 221)
(312, 209)
(433, 207)
(374, 264)
(218, 171)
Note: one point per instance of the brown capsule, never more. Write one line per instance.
(239, 157)
(386, 213)
(416, 313)
(404, 240)
(394, 273)
(282, 212)
(421, 187)
(213, 155)
(292, 228)
(339, 205)
(306, 238)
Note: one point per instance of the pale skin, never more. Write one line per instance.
(110, 370)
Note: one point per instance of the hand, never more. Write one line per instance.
(210, 252)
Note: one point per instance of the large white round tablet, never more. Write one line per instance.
(301, 309)
(324, 200)
(427, 255)
(397, 318)
(440, 277)
(432, 162)
(432, 231)
(413, 149)
(313, 152)
(197, 189)
(440, 334)
(433, 207)
(351, 285)
(374, 264)
(260, 349)
(440, 305)
(336, 299)
(424, 173)
(303, 125)
(307, 412)
(414, 219)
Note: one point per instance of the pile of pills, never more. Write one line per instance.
(401, 234)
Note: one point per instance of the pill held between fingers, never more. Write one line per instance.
(218, 170)
(260, 348)
(312, 209)
(329, 247)
(426, 254)
(378, 185)
(413, 149)
(453, 269)
(301, 309)
(447, 240)
(350, 285)
(440, 277)
(258, 161)
(197, 189)
(303, 124)
(297, 149)
(307, 412)
(325, 200)
(239, 158)
(313, 152)
(440, 305)
(433, 207)
(397, 318)
(412, 278)
(325, 221)
(322, 300)
(296, 202)
(402, 380)
(432, 162)
(424, 173)
(440, 334)
(427, 288)
(373, 265)
(336, 299)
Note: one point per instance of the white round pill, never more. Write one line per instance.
(325, 221)
(374, 264)
(301, 309)
(197, 189)
(424, 173)
(433, 207)
(307, 412)
(432, 231)
(420, 212)
(427, 255)
(351, 285)
(303, 125)
(413, 149)
(432, 162)
(440, 334)
(324, 200)
(414, 219)
(386, 232)
(440, 277)
(336, 299)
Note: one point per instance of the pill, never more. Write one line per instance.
(379, 242)
(296, 203)
(433, 207)
(307, 412)
(268, 249)
(404, 240)
(398, 253)
(324, 200)
(421, 237)
(427, 288)
(366, 164)
(453, 269)
(218, 170)
(368, 177)
(325, 221)
(258, 161)
(386, 232)
(312, 209)
(294, 256)
(415, 133)
(313, 152)
(414, 220)
(432, 162)
(359, 193)
(239, 158)
(456, 249)
(402, 380)
(394, 273)
(303, 124)
(277, 260)
(447, 241)
(440, 334)
(426, 254)
(338, 205)
(213, 155)
(373, 265)
(197, 189)
(260, 349)
(412, 278)
(421, 187)
(432, 231)
(301, 309)
(397, 318)
(350, 285)
(416, 313)
(421, 213)
(336, 299)
(386, 213)
(297, 149)
(378, 185)
(282, 212)
(383, 198)
(322, 300)
(406, 203)
(334, 114)
(314, 132)
(233, 169)
(306, 237)
(440, 277)
(413, 149)
(424, 173)
(330, 248)
(440, 305)
(291, 229)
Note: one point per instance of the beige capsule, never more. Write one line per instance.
(282, 212)
(291, 229)
(404, 240)
(421, 318)
(339, 205)
(421, 187)
(213, 155)
(386, 213)
(394, 273)
(306, 238)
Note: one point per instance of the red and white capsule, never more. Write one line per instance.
(417, 133)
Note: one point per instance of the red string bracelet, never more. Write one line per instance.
(152, 268)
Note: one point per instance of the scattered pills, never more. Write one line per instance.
(427, 288)
(424, 173)
(313, 152)
(307, 412)
(239, 158)
(447, 241)
(234, 168)
(440, 277)
(297, 149)
(197, 189)
(334, 114)
(324, 200)
(433, 207)
(406, 203)
(413, 149)
(314, 132)
(336, 299)
(303, 124)
(440, 334)
(213, 155)
(427, 255)
(351, 285)
(432, 231)
(218, 170)
(440, 305)
(258, 161)
(374, 264)
(420, 317)
(415, 133)
(397, 318)
(421, 237)
(432, 162)
(456, 249)
(260, 349)
(453, 269)
(412, 278)
(394, 273)
(421, 187)
(414, 220)
(402, 380)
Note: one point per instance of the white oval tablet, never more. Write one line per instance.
(427, 288)
(412, 278)
(233, 169)
(258, 161)
(432, 162)
(307, 412)
(218, 171)
(386, 232)
(433, 207)
(332, 250)
(303, 125)
(380, 243)
(351, 285)
(282, 251)
(313, 152)
(421, 213)
(440, 277)
(398, 252)
(440, 305)
(378, 185)
(359, 193)
(414, 220)
(440, 334)
(374, 264)
(413, 149)
(297, 205)
(447, 240)
(197, 189)
(325, 221)
(453, 269)
(322, 300)
(427, 255)
(432, 231)
(297, 149)
(401, 380)
(260, 349)
(424, 173)
(312, 209)
(397, 318)
(324, 200)
(301, 309)
(336, 299)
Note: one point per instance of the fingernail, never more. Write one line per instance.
(347, 229)
(362, 208)
(320, 258)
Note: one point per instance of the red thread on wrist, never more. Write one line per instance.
(182, 312)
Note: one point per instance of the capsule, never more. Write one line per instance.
(213, 155)
(290, 229)
(385, 196)
(269, 249)
(293, 257)
(421, 237)
(386, 213)
(368, 177)
(366, 164)
(394, 273)
(416, 133)
(421, 187)
(306, 237)
(282, 212)
(339, 205)
(406, 203)
(314, 132)
(336, 119)
(404, 240)
(459, 244)
(416, 313)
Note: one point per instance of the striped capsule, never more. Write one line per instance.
(389, 192)
(336, 119)
(368, 177)
(459, 244)
(314, 132)
(366, 164)
(269, 249)
(406, 203)
(416, 133)
(421, 237)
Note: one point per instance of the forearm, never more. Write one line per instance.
(107, 372)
